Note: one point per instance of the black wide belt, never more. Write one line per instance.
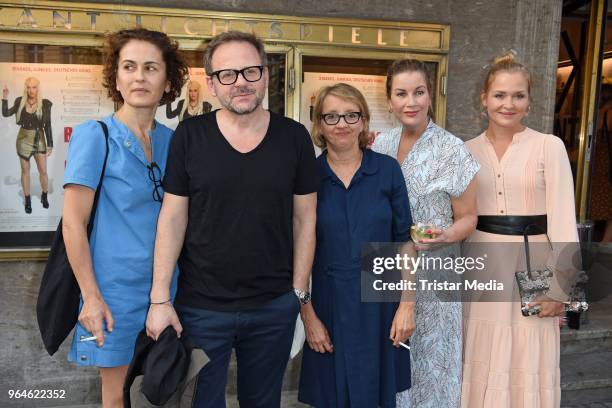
(512, 224)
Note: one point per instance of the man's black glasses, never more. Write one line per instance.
(230, 76)
(155, 177)
(333, 118)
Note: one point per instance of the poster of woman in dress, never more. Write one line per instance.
(195, 100)
(191, 106)
(40, 105)
(34, 139)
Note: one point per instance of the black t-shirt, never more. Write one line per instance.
(238, 249)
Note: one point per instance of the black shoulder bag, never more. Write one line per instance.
(57, 307)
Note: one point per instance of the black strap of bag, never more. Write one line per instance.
(577, 296)
(57, 305)
(97, 195)
(526, 240)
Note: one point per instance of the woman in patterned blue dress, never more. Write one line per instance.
(439, 173)
(114, 268)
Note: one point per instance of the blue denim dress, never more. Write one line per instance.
(123, 235)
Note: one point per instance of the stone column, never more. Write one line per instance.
(536, 40)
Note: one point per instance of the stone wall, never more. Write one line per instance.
(25, 365)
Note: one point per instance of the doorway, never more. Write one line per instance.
(582, 121)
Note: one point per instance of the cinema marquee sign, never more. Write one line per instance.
(92, 20)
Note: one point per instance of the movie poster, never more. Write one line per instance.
(62, 96)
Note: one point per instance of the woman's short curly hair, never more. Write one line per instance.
(176, 67)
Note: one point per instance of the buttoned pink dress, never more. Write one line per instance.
(510, 360)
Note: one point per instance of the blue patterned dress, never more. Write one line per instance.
(438, 167)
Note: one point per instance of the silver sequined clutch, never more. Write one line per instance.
(536, 283)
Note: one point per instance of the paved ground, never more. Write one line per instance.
(289, 400)
(286, 404)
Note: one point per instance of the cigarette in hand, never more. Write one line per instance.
(404, 345)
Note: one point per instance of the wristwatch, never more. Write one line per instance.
(303, 296)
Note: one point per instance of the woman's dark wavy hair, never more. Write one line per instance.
(176, 68)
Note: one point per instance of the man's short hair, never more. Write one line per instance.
(232, 36)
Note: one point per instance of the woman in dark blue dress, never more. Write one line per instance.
(353, 358)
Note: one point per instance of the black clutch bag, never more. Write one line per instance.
(57, 306)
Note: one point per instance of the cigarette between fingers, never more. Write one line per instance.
(404, 345)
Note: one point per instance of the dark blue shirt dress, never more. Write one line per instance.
(364, 370)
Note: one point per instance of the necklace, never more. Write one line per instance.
(192, 109)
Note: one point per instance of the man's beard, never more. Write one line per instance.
(243, 110)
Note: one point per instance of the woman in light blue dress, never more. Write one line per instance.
(114, 269)
(439, 173)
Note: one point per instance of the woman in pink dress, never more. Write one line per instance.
(510, 360)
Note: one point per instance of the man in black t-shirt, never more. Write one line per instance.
(239, 215)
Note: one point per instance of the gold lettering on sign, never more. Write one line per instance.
(215, 27)
(187, 28)
(251, 25)
(380, 38)
(125, 17)
(275, 31)
(26, 18)
(59, 20)
(93, 15)
(395, 35)
(305, 31)
(355, 35)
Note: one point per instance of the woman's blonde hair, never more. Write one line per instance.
(347, 93)
(506, 62)
(198, 86)
(24, 99)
